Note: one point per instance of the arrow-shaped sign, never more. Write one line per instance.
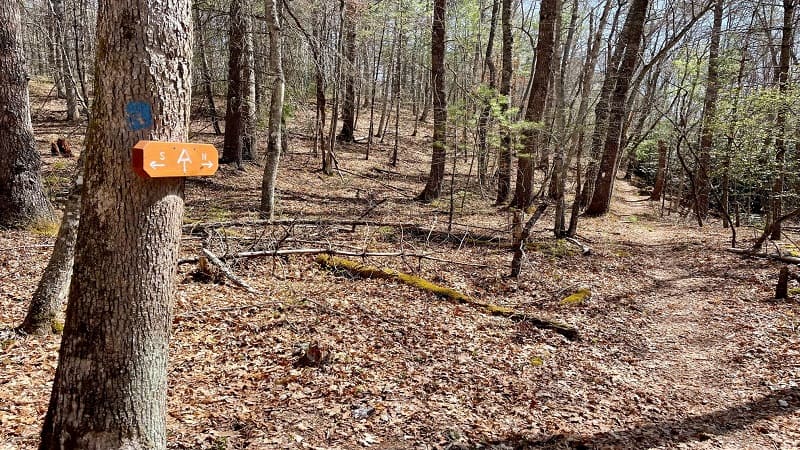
(154, 159)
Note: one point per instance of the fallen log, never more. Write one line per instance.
(367, 271)
(749, 252)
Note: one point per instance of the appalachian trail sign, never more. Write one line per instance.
(155, 159)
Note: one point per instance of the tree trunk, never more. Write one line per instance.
(558, 179)
(396, 92)
(504, 156)
(205, 71)
(274, 141)
(550, 9)
(709, 113)
(370, 134)
(483, 120)
(23, 200)
(433, 188)
(630, 41)
(249, 116)
(234, 126)
(70, 91)
(111, 383)
(787, 37)
(349, 103)
(661, 172)
(51, 293)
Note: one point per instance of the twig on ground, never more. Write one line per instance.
(228, 272)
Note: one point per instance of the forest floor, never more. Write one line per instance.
(681, 345)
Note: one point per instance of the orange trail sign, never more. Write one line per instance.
(155, 159)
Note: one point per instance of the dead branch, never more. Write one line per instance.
(584, 249)
(228, 272)
(367, 271)
(755, 254)
(193, 227)
(330, 251)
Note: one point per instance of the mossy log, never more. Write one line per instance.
(367, 271)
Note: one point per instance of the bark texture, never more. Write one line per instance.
(51, 293)
(205, 71)
(709, 113)
(234, 116)
(22, 197)
(628, 49)
(110, 386)
(433, 188)
(504, 154)
(523, 194)
(349, 100)
(274, 141)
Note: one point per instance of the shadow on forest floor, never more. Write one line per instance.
(693, 428)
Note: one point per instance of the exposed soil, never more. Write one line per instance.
(681, 344)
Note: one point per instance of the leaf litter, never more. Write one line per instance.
(681, 346)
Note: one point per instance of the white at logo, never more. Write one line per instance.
(184, 159)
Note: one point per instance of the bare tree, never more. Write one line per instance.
(548, 13)
(274, 141)
(23, 200)
(433, 187)
(618, 76)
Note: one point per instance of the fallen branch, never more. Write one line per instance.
(330, 251)
(584, 249)
(192, 227)
(228, 272)
(367, 271)
(748, 252)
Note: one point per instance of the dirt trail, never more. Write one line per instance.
(705, 358)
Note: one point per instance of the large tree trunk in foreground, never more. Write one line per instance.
(274, 141)
(51, 293)
(111, 383)
(22, 197)
(630, 41)
(433, 188)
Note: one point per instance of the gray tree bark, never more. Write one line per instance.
(110, 386)
(51, 293)
(23, 200)
(274, 141)
(250, 128)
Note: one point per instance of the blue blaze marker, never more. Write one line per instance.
(139, 115)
